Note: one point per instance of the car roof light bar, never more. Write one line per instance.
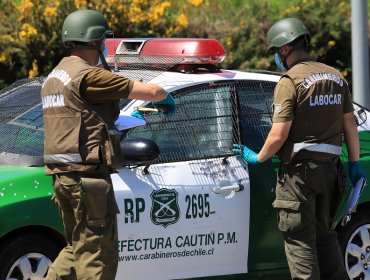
(187, 50)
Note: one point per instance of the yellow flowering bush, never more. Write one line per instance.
(27, 25)
(158, 11)
(27, 33)
(195, 3)
(331, 37)
(34, 72)
(25, 8)
(241, 26)
(3, 57)
(182, 21)
(50, 13)
(80, 4)
(331, 43)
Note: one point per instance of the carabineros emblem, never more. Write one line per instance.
(165, 208)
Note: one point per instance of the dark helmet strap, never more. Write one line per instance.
(284, 57)
(307, 40)
(102, 59)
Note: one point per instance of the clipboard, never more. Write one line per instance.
(353, 200)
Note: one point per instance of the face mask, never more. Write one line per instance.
(279, 63)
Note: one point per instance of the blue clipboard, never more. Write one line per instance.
(353, 200)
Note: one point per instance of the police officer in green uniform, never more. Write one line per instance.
(80, 106)
(312, 110)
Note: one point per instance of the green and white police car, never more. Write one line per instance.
(189, 208)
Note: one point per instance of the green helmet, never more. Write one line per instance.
(284, 32)
(85, 26)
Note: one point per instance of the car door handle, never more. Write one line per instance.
(235, 188)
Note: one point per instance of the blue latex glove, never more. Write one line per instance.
(138, 114)
(355, 172)
(247, 154)
(168, 101)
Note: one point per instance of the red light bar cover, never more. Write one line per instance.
(190, 50)
(111, 45)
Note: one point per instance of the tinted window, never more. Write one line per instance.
(21, 123)
(204, 125)
(255, 107)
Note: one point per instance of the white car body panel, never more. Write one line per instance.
(188, 243)
(200, 243)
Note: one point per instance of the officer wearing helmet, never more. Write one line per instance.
(312, 110)
(80, 106)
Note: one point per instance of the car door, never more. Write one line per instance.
(186, 214)
(266, 250)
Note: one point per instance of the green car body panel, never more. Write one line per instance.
(26, 192)
(266, 246)
(266, 249)
(26, 205)
(25, 200)
(25, 196)
(364, 137)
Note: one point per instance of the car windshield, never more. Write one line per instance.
(21, 123)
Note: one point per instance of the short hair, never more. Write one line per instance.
(79, 45)
(301, 43)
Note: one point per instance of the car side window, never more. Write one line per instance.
(255, 107)
(204, 125)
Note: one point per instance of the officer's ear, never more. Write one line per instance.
(286, 50)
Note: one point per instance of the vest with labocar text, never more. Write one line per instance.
(321, 99)
(79, 136)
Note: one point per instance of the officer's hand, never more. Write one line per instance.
(355, 172)
(138, 114)
(247, 154)
(166, 105)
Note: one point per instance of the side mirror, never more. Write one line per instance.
(138, 150)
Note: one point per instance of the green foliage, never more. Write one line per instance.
(242, 26)
(29, 37)
(30, 43)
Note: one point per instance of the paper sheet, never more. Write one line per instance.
(127, 121)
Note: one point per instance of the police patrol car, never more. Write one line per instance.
(189, 208)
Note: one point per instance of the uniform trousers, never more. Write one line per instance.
(307, 197)
(89, 213)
